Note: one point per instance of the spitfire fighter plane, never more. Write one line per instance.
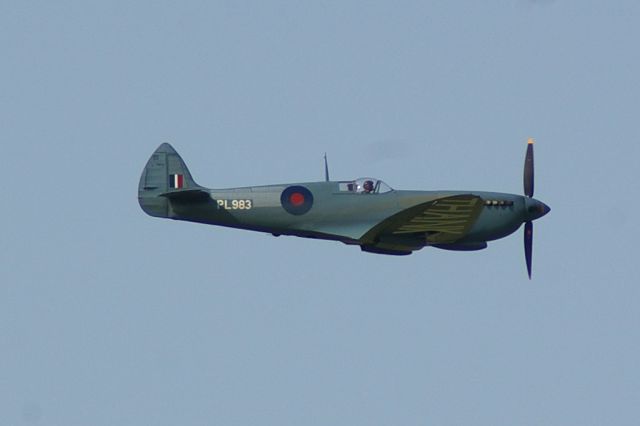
(365, 212)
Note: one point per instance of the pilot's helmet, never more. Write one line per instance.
(368, 185)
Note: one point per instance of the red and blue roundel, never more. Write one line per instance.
(296, 200)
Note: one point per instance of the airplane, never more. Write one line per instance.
(365, 212)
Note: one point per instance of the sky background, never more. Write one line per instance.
(111, 317)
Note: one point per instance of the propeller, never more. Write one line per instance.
(528, 191)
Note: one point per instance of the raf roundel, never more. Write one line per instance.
(296, 200)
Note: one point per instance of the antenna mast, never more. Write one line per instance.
(326, 168)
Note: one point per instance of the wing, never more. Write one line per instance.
(441, 221)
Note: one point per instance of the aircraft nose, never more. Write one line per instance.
(536, 209)
(545, 208)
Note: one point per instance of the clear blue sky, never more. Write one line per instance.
(110, 317)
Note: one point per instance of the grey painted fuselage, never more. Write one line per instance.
(335, 214)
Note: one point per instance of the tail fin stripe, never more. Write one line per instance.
(176, 181)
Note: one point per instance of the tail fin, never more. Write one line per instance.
(164, 174)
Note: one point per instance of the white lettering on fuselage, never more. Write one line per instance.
(234, 204)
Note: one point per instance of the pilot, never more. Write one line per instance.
(367, 187)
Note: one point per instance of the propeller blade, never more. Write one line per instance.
(528, 244)
(528, 169)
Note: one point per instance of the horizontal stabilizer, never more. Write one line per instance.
(188, 195)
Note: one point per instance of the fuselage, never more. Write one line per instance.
(345, 215)
(364, 212)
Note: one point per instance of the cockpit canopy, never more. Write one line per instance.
(364, 185)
